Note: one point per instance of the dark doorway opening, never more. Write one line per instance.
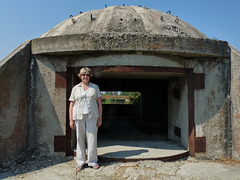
(145, 120)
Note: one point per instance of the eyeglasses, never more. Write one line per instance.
(85, 75)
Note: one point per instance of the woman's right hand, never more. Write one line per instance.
(72, 124)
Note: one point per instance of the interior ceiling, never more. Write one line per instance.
(135, 75)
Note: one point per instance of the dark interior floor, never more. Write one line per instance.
(127, 128)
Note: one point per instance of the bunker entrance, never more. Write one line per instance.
(160, 114)
(143, 116)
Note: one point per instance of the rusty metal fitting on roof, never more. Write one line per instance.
(73, 20)
(92, 18)
(177, 19)
(169, 12)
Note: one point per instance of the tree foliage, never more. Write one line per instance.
(135, 97)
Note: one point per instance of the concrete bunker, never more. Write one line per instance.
(128, 48)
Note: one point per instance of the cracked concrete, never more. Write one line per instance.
(47, 168)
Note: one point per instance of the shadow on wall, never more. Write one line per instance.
(48, 107)
(27, 116)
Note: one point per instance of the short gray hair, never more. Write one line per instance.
(85, 70)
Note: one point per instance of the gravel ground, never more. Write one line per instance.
(42, 167)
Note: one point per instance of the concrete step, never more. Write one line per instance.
(132, 151)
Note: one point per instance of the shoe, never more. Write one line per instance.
(79, 167)
(95, 166)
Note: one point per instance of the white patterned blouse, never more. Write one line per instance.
(90, 95)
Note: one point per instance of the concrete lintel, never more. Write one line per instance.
(85, 43)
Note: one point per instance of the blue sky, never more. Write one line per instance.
(22, 20)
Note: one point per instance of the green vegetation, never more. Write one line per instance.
(115, 97)
(135, 97)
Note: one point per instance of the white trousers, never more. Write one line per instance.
(86, 131)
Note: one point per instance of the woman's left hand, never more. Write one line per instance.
(99, 121)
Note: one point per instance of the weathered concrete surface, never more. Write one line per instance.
(14, 100)
(235, 97)
(122, 59)
(127, 20)
(50, 113)
(115, 42)
(178, 110)
(190, 169)
(212, 108)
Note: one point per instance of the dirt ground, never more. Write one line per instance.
(42, 167)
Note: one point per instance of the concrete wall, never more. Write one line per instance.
(178, 110)
(14, 100)
(235, 100)
(212, 108)
(49, 102)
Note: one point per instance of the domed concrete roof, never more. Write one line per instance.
(125, 20)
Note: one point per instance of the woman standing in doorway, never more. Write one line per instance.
(85, 115)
